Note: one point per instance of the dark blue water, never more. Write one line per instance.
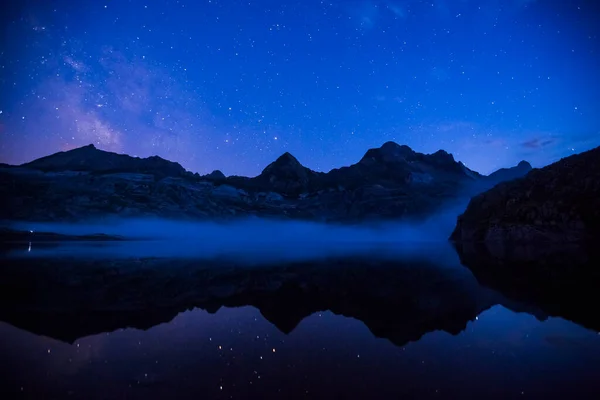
(421, 324)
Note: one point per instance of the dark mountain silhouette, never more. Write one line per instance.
(508, 174)
(91, 159)
(216, 175)
(286, 175)
(390, 166)
(558, 203)
(389, 182)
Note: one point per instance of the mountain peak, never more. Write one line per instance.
(287, 175)
(216, 175)
(286, 161)
(524, 164)
(389, 152)
(507, 174)
(393, 147)
(443, 156)
(83, 149)
(288, 158)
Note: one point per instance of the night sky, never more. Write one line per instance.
(231, 85)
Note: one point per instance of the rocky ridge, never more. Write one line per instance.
(389, 182)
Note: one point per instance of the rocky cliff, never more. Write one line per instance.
(389, 182)
(558, 203)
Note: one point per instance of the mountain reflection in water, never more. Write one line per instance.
(414, 323)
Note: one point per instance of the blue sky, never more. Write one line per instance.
(232, 84)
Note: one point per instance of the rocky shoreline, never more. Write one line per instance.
(557, 203)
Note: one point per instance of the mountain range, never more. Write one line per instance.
(389, 182)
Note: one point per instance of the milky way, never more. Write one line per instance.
(231, 84)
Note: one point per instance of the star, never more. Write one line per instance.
(241, 76)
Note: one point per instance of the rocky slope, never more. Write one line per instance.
(558, 203)
(390, 182)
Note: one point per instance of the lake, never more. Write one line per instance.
(91, 320)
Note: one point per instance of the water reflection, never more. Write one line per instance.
(342, 327)
(561, 280)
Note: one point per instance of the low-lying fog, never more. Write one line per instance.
(253, 238)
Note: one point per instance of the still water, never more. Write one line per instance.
(431, 323)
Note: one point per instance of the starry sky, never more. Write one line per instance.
(231, 84)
